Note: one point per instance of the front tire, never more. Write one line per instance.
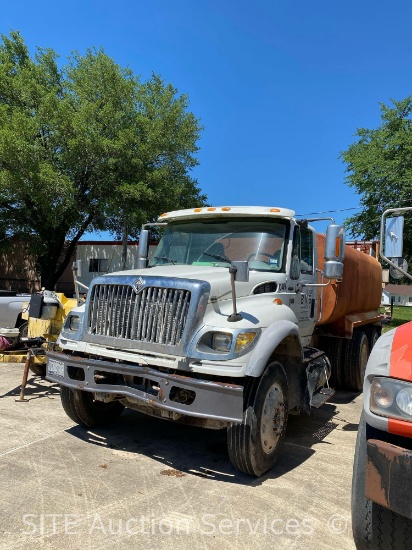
(254, 444)
(374, 527)
(84, 410)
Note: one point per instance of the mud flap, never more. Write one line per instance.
(316, 375)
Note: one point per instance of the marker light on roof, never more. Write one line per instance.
(197, 210)
(275, 210)
(225, 209)
(211, 209)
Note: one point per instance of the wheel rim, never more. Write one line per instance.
(273, 418)
(374, 339)
(364, 355)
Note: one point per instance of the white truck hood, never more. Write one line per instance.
(217, 277)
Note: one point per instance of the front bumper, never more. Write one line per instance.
(209, 399)
(388, 476)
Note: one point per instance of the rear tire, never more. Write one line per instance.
(373, 526)
(335, 351)
(86, 411)
(254, 444)
(356, 357)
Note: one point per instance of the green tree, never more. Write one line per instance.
(379, 167)
(87, 146)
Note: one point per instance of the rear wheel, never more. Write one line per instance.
(254, 444)
(335, 350)
(83, 409)
(373, 336)
(373, 526)
(356, 357)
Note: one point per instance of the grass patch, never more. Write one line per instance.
(401, 315)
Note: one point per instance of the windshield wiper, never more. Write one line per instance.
(174, 262)
(217, 257)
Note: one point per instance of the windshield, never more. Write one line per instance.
(218, 243)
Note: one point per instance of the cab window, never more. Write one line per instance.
(306, 251)
(302, 252)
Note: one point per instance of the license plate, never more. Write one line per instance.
(55, 367)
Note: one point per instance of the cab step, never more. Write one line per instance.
(321, 396)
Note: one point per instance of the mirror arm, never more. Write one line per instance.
(320, 284)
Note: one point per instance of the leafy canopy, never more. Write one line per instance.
(379, 167)
(87, 146)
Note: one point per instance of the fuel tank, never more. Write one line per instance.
(360, 289)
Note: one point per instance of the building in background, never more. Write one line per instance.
(18, 270)
(401, 295)
(100, 257)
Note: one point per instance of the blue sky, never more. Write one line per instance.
(279, 86)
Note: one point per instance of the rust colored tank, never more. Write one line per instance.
(360, 290)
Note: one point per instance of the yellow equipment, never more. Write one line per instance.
(48, 326)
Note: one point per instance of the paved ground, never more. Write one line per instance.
(147, 483)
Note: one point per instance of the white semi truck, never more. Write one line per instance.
(240, 319)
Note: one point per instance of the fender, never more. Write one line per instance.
(268, 342)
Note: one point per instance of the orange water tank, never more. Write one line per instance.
(360, 289)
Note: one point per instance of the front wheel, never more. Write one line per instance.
(254, 444)
(374, 527)
(83, 409)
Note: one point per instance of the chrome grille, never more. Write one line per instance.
(155, 314)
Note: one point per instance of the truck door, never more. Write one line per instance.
(303, 300)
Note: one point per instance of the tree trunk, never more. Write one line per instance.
(57, 256)
(124, 243)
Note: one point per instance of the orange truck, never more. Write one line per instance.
(382, 472)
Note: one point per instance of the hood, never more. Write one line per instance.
(217, 277)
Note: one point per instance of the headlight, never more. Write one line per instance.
(391, 398)
(74, 323)
(217, 342)
(221, 341)
(404, 401)
(244, 339)
(382, 394)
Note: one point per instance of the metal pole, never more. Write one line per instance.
(21, 398)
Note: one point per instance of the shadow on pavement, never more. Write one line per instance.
(183, 449)
(36, 388)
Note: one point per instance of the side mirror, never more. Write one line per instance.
(391, 240)
(143, 249)
(333, 270)
(334, 251)
(242, 271)
(394, 237)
